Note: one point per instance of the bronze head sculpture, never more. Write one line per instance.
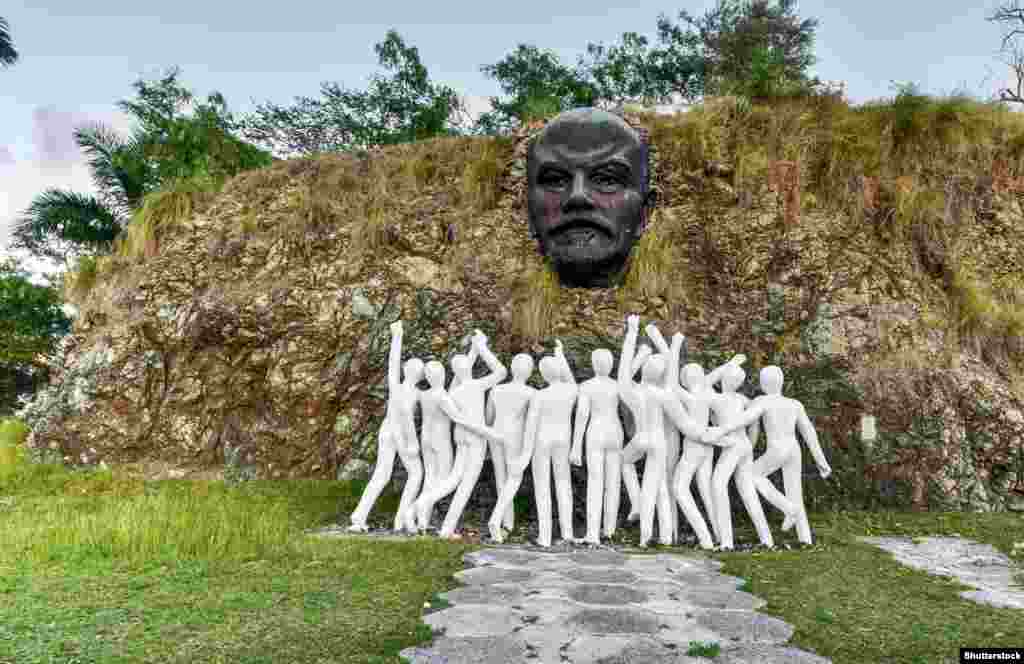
(588, 195)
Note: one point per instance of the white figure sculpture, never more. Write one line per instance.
(507, 405)
(439, 412)
(471, 436)
(649, 402)
(697, 456)
(629, 475)
(738, 460)
(783, 418)
(597, 416)
(397, 435)
(672, 442)
(546, 440)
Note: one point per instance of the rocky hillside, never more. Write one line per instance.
(875, 253)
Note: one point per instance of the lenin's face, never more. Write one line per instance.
(587, 195)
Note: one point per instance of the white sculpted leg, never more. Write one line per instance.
(704, 471)
(748, 492)
(405, 518)
(791, 479)
(508, 493)
(654, 470)
(632, 481)
(595, 488)
(724, 469)
(765, 465)
(500, 463)
(612, 489)
(541, 466)
(380, 478)
(684, 478)
(474, 464)
(563, 490)
(424, 505)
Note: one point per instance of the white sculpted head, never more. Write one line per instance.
(461, 367)
(654, 369)
(413, 371)
(601, 359)
(771, 380)
(550, 369)
(733, 378)
(435, 373)
(693, 376)
(522, 367)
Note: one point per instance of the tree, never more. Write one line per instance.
(633, 71)
(538, 84)
(8, 56)
(166, 146)
(31, 323)
(1011, 16)
(750, 48)
(399, 108)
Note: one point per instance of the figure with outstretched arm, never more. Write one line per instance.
(737, 461)
(548, 437)
(437, 409)
(507, 406)
(397, 435)
(783, 418)
(471, 434)
(697, 456)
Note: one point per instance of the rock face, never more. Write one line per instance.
(255, 333)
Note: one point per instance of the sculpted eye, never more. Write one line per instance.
(607, 180)
(553, 179)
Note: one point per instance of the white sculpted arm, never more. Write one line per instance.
(518, 466)
(625, 377)
(471, 355)
(395, 357)
(803, 424)
(579, 427)
(451, 409)
(489, 413)
(748, 417)
(560, 356)
(498, 370)
(680, 418)
(642, 355)
(716, 374)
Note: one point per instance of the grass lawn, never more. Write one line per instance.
(101, 566)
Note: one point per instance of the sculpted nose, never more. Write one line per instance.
(578, 196)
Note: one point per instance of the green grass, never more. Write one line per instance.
(98, 567)
(853, 602)
(95, 568)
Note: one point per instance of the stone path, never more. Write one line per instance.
(600, 606)
(973, 564)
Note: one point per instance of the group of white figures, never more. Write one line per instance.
(521, 424)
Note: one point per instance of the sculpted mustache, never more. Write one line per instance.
(581, 221)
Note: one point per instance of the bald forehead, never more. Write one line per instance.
(587, 132)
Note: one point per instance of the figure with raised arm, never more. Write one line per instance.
(547, 439)
(783, 418)
(397, 435)
(507, 405)
(649, 402)
(697, 456)
(597, 416)
(436, 435)
(471, 434)
(629, 475)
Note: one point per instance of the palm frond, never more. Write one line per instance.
(56, 219)
(8, 56)
(118, 167)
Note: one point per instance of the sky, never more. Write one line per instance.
(78, 59)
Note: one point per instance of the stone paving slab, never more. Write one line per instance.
(979, 565)
(600, 606)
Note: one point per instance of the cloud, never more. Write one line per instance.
(53, 137)
(6, 156)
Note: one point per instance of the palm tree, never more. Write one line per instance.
(8, 56)
(59, 224)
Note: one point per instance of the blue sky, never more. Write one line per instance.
(79, 58)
